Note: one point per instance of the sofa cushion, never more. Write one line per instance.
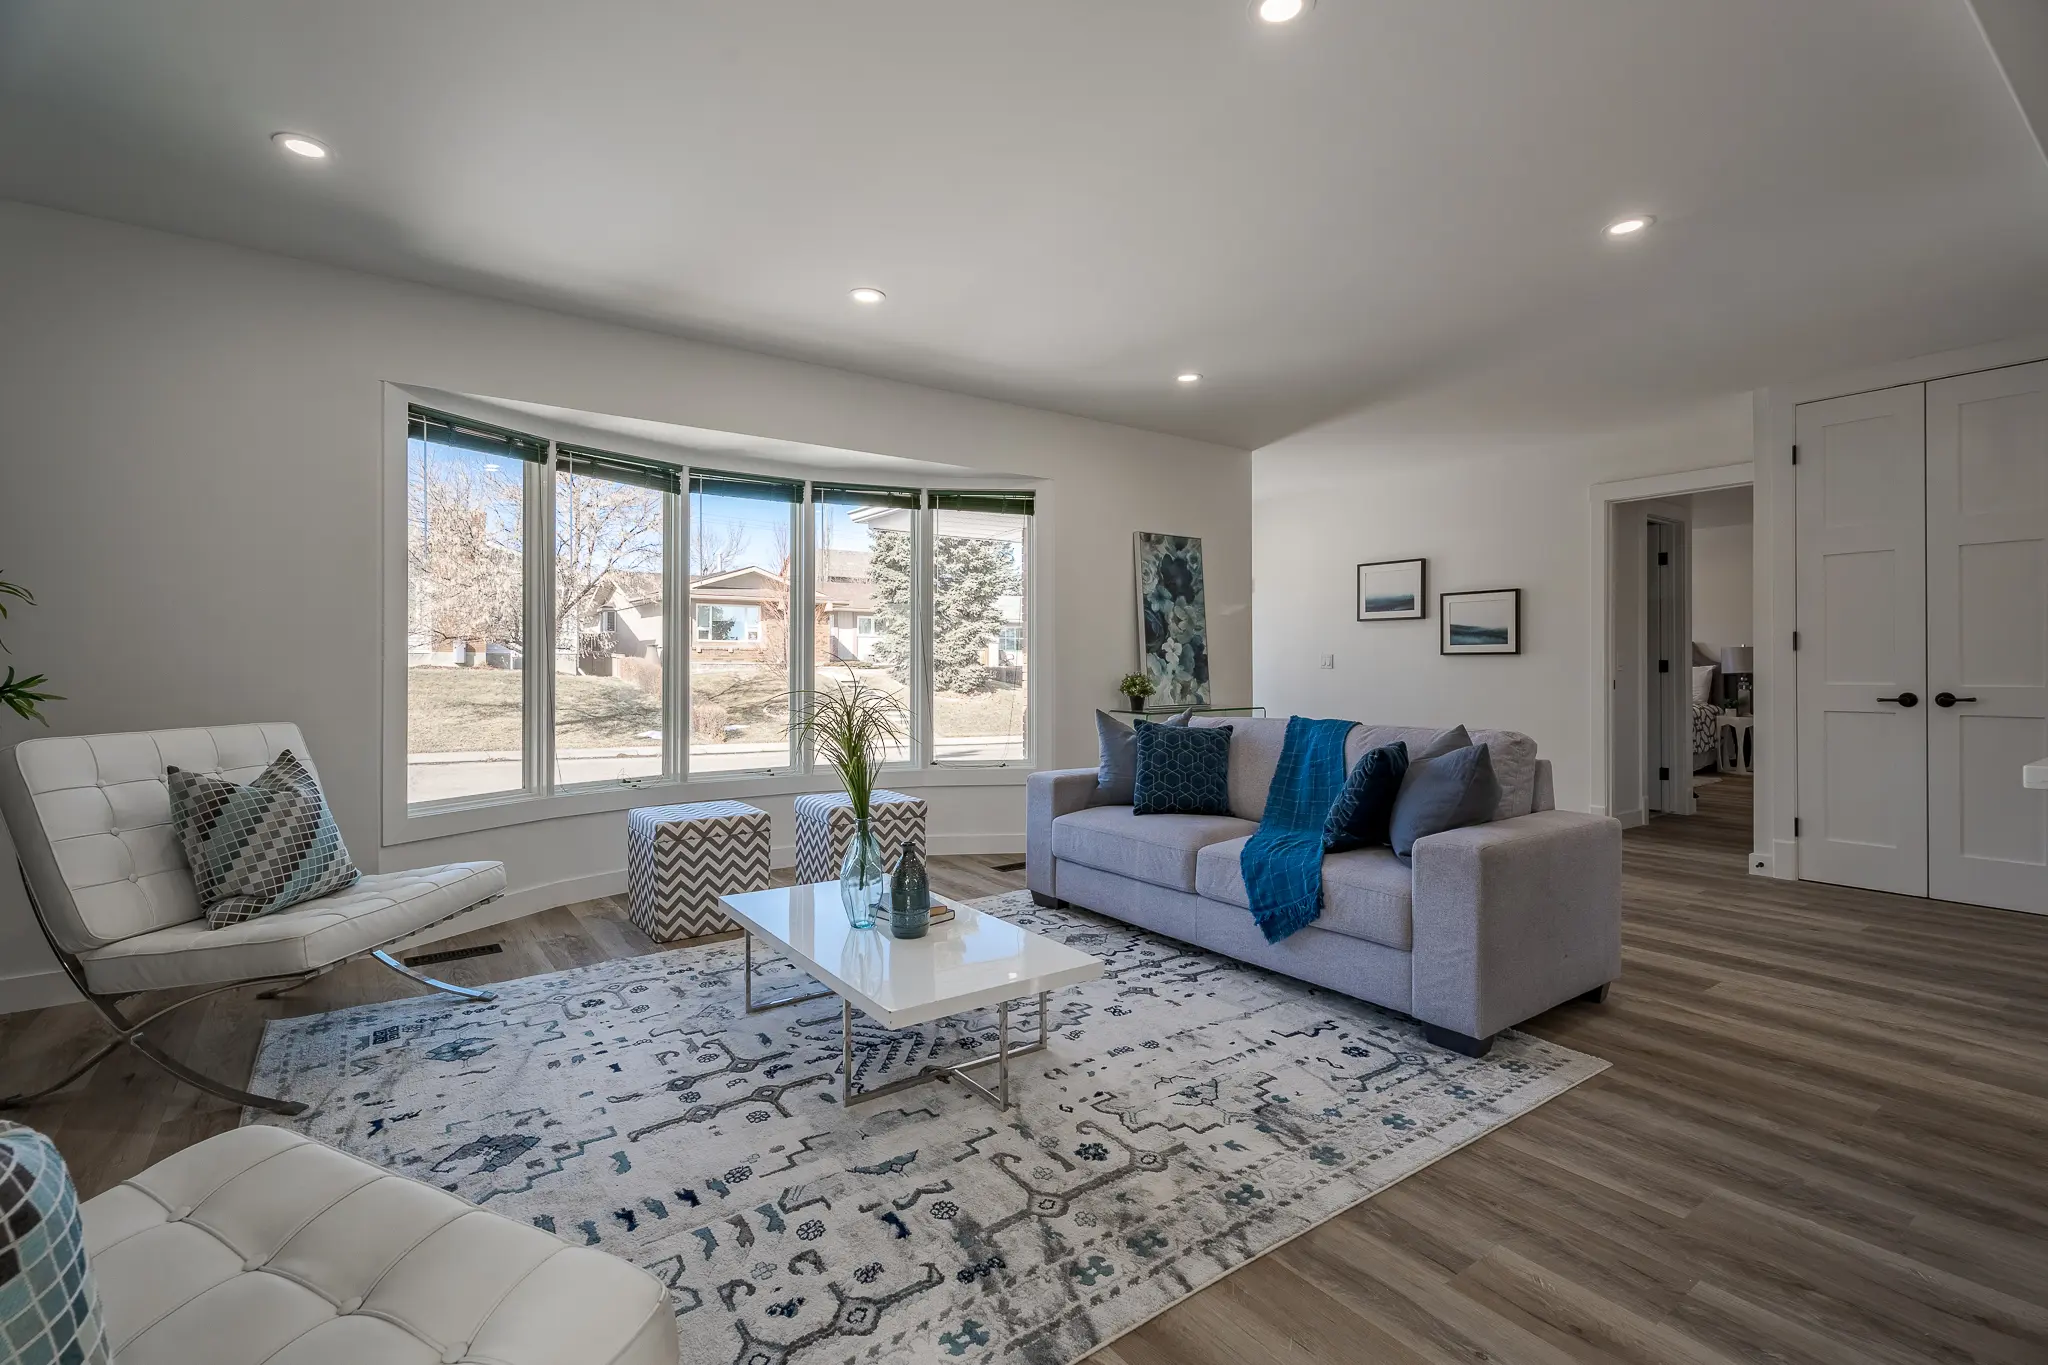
(1368, 893)
(1360, 815)
(1514, 766)
(1447, 792)
(1255, 745)
(1182, 771)
(1116, 774)
(1159, 849)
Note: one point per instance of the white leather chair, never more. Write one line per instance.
(91, 819)
(262, 1245)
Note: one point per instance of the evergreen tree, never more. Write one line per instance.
(970, 575)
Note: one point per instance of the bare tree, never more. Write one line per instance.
(603, 531)
(718, 547)
(463, 549)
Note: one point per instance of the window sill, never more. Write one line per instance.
(442, 821)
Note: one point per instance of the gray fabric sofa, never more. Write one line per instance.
(1491, 925)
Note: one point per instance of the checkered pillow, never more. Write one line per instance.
(49, 1306)
(257, 848)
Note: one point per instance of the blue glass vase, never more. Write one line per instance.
(862, 881)
(910, 895)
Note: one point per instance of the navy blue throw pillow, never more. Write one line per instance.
(1182, 770)
(1362, 812)
(1448, 792)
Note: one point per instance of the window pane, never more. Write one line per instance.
(608, 628)
(465, 702)
(861, 574)
(979, 669)
(740, 545)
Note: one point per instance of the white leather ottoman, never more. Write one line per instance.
(261, 1245)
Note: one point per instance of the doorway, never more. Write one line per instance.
(1675, 707)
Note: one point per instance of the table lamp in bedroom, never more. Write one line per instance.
(1738, 666)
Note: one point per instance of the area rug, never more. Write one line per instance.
(1191, 1114)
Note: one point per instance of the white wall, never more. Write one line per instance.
(192, 488)
(1723, 568)
(1487, 512)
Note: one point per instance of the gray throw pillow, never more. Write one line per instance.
(1449, 791)
(1116, 774)
(1445, 742)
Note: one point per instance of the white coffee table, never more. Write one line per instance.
(969, 962)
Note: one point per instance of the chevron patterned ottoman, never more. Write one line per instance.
(681, 859)
(824, 823)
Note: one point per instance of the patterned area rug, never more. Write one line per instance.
(1190, 1114)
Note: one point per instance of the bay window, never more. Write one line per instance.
(540, 663)
(980, 668)
(742, 543)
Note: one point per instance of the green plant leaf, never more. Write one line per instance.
(21, 696)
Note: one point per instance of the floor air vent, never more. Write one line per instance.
(453, 955)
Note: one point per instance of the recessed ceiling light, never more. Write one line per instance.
(1280, 11)
(1628, 226)
(864, 294)
(1188, 378)
(298, 144)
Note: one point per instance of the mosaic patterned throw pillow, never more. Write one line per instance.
(1182, 771)
(261, 847)
(49, 1307)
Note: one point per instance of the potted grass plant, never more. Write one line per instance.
(850, 728)
(21, 695)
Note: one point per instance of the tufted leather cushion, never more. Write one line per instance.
(263, 1245)
(375, 910)
(91, 817)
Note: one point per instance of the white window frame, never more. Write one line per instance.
(539, 798)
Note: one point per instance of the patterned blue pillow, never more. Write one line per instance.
(49, 1306)
(1362, 811)
(1182, 771)
(261, 847)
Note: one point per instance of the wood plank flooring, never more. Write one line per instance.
(1821, 1140)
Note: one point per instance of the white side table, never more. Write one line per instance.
(1734, 743)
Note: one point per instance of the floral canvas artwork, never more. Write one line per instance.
(1173, 628)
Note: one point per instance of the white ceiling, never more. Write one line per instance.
(1068, 203)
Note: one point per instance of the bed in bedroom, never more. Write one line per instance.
(1706, 714)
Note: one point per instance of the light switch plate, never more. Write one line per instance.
(1328, 661)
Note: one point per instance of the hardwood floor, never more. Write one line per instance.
(1821, 1140)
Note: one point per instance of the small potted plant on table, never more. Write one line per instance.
(1135, 687)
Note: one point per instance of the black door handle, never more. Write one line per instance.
(1903, 699)
(1949, 699)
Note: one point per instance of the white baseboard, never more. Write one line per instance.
(1760, 863)
(547, 896)
(1631, 818)
(1785, 859)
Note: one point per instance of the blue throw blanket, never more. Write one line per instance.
(1283, 862)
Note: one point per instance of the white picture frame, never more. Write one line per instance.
(1393, 590)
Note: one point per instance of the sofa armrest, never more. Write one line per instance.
(1048, 796)
(1514, 917)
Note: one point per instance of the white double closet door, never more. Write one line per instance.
(1922, 524)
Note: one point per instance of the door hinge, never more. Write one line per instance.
(1795, 454)
(1663, 556)
(1795, 642)
(1795, 827)
(1663, 665)
(1663, 774)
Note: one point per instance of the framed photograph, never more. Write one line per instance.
(1487, 622)
(1173, 626)
(1393, 590)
